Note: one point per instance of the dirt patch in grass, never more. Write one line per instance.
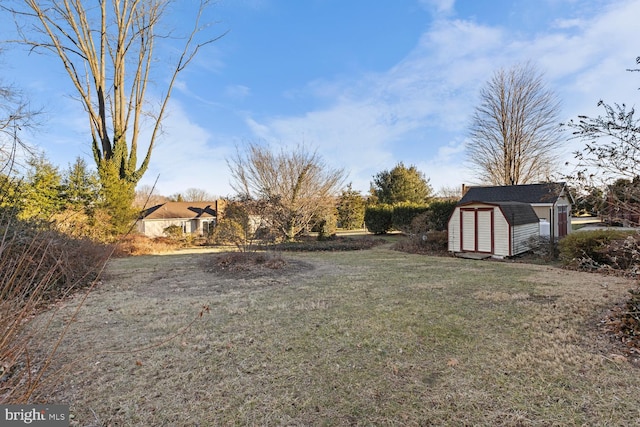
(374, 337)
(249, 265)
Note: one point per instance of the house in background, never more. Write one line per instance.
(550, 201)
(193, 217)
(498, 229)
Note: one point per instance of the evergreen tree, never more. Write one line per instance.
(117, 199)
(41, 190)
(351, 207)
(10, 201)
(80, 187)
(401, 185)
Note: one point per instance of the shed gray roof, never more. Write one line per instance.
(530, 193)
(516, 213)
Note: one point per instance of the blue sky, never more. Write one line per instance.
(366, 83)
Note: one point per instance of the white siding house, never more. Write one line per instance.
(196, 218)
(500, 229)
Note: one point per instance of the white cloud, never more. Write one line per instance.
(567, 23)
(237, 92)
(439, 7)
(431, 93)
(187, 156)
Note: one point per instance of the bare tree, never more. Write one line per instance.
(146, 197)
(610, 159)
(450, 193)
(515, 131)
(107, 50)
(197, 195)
(16, 114)
(296, 186)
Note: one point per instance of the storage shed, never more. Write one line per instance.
(500, 229)
(551, 201)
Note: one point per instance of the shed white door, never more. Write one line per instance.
(468, 227)
(484, 230)
(476, 230)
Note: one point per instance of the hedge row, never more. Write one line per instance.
(381, 219)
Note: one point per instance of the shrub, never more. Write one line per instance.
(439, 214)
(404, 213)
(334, 243)
(37, 266)
(325, 226)
(624, 321)
(173, 231)
(230, 232)
(429, 242)
(623, 254)
(587, 249)
(137, 244)
(379, 218)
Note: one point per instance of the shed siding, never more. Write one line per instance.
(454, 231)
(521, 235)
(502, 235)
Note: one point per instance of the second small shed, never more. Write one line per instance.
(500, 229)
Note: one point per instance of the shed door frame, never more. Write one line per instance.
(476, 244)
(563, 220)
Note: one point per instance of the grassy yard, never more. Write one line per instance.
(371, 337)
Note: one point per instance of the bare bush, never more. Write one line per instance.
(136, 244)
(429, 242)
(294, 187)
(36, 268)
(544, 247)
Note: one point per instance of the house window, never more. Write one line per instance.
(208, 226)
(184, 225)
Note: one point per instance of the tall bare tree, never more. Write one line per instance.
(515, 131)
(107, 50)
(295, 186)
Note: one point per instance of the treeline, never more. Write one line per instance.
(70, 201)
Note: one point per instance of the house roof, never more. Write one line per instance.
(516, 213)
(181, 210)
(545, 193)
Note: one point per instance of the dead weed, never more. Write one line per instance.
(248, 265)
